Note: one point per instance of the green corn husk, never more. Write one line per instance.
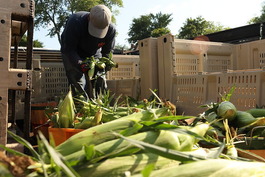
(90, 122)
(100, 64)
(66, 111)
(188, 141)
(257, 112)
(257, 125)
(212, 118)
(101, 133)
(212, 168)
(91, 71)
(119, 146)
(163, 138)
(242, 119)
(86, 123)
(118, 166)
(226, 110)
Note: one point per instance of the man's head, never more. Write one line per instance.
(100, 18)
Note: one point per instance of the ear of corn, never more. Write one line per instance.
(256, 128)
(132, 164)
(226, 110)
(258, 122)
(101, 133)
(86, 123)
(213, 168)
(91, 70)
(242, 119)
(188, 141)
(66, 111)
(231, 151)
(257, 112)
(90, 122)
(117, 147)
(100, 64)
(163, 138)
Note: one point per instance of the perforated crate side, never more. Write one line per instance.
(250, 55)
(124, 71)
(149, 66)
(191, 57)
(187, 64)
(204, 56)
(258, 53)
(192, 91)
(128, 67)
(189, 92)
(124, 87)
(249, 88)
(213, 63)
(54, 80)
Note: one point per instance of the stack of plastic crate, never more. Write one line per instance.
(193, 73)
(125, 79)
(248, 77)
(188, 71)
(149, 69)
(11, 79)
(49, 81)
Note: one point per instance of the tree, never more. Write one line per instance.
(148, 25)
(197, 27)
(259, 19)
(159, 32)
(53, 14)
(36, 43)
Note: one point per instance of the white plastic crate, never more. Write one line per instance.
(200, 56)
(48, 83)
(189, 92)
(250, 55)
(125, 87)
(190, 57)
(128, 67)
(53, 80)
(149, 66)
(249, 88)
(49, 80)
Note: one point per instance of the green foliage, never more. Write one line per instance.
(36, 43)
(147, 25)
(54, 13)
(159, 32)
(198, 26)
(259, 19)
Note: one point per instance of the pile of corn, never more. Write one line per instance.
(241, 121)
(150, 142)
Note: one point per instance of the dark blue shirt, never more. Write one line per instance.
(78, 44)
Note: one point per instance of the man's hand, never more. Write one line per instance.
(88, 66)
(85, 67)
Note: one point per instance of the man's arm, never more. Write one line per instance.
(70, 39)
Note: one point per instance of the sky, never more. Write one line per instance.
(228, 13)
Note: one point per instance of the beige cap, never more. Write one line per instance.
(100, 18)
